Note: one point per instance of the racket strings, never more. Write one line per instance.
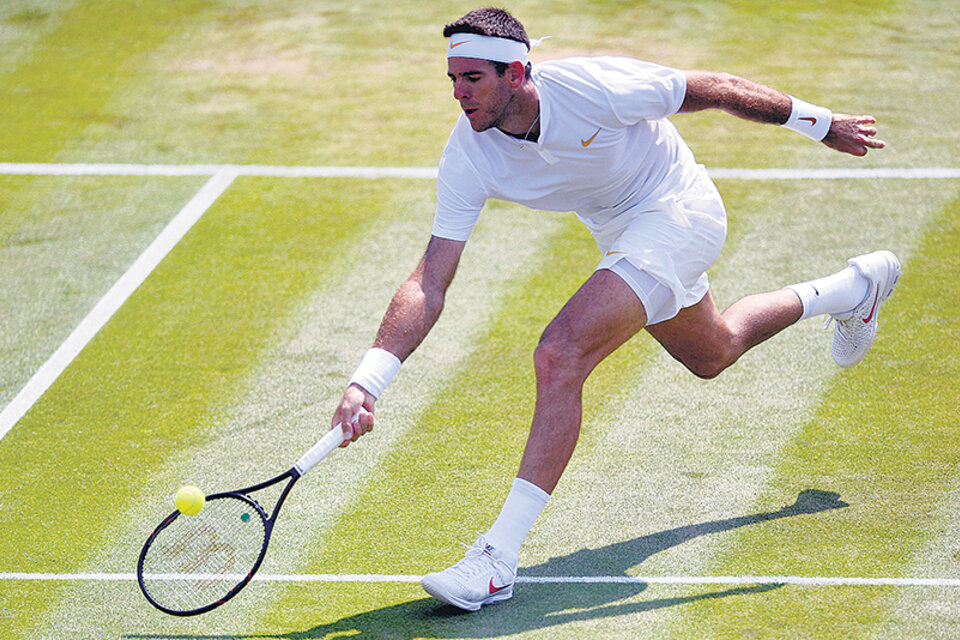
(197, 560)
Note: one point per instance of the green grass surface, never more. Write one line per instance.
(228, 361)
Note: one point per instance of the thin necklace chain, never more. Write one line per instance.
(532, 125)
(526, 136)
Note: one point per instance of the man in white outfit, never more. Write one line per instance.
(591, 135)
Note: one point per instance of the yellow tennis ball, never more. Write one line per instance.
(189, 500)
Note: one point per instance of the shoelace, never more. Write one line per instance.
(473, 563)
(470, 567)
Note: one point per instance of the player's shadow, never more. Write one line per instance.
(541, 605)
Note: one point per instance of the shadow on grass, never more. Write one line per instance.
(542, 605)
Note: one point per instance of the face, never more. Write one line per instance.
(483, 95)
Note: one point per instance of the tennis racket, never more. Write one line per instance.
(192, 564)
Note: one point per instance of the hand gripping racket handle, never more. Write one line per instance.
(323, 448)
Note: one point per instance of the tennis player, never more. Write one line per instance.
(592, 135)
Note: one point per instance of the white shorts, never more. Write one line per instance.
(663, 252)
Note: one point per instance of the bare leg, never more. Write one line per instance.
(602, 315)
(708, 342)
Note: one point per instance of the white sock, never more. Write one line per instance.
(835, 293)
(521, 509)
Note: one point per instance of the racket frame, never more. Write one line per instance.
(268, 523)
(330, 441)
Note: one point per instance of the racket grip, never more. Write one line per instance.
(330, 441)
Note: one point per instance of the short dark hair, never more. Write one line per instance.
(490, 21)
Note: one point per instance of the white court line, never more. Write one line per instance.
(114, 298)
(224, 174)
(98, 169)
(807, 581)
(837, 174)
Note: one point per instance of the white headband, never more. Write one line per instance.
(472, 45)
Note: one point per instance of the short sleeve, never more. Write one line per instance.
(460, 196)
(639, 90)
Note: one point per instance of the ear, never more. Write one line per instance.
(516, 73)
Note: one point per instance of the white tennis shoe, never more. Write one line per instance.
(856, 329)
(482, 577)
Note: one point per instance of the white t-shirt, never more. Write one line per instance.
(605, 146)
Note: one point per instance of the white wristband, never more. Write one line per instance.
(809, 119)
(376, 370)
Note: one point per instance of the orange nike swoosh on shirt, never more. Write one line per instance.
(611, 253)
(586, 143)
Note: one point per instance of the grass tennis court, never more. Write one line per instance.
(786, 499)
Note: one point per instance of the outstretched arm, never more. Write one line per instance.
(417, 304)
(413, 311)
(757, 102)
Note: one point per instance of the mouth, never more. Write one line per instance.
(470, 111)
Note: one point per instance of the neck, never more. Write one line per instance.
(523, 121)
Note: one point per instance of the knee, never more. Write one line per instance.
(708, 365)
(557, 360)
(705, 371)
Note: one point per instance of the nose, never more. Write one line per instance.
(460, 90)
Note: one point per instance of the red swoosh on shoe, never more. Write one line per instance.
(873, 310)
(494, 589)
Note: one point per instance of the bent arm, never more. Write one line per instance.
(754, 101)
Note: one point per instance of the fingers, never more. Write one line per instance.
(361, 424)
(352, 430)
(855, 135)
(865, 141)
(354, 414)
(867, 133)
